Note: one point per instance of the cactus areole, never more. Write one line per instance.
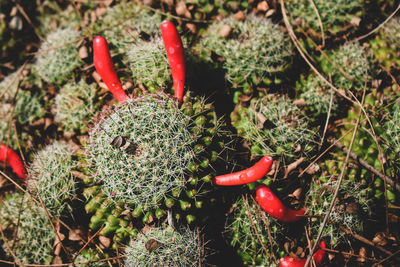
(12, 159)
(252, 174)
(274, 206)
(292, 262)
(105, 67)
(174, 47)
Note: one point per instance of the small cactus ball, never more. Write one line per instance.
(29, 233)
(50, 177)
(166, 247)
(255, 51)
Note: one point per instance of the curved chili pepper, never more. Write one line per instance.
(174, 47)
(12, 159)
(105, 67)
(292, 262)
(252, 174)
(274, 206)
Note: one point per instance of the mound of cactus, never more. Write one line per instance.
(393, 128)
(273, 125)
(257, 238)
(51, 177)
(75, 106)
(166, 247)
(29, 233)
(57, 57)
(255, 51)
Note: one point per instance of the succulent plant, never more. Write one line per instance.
(255, 51)
(151, 155)
(385, 45)
(392, 126)
(337, 17)
(28, 230)
(273, 125)
(166, 247)
(51, 177)
(58, 56)
(258, 239)
(125, 23)
(75, 105)
(89, 258)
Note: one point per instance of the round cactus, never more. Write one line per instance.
(257, 238)
(75, 105)
(166, 247)
(50, 176)
(337, 17)
(393, 128)
(28, 230)
(125, 23)
(58, 56)
(255, 50)
(273, 125)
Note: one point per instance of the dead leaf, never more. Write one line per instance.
(105, 242)
(240, 16)
(262, 6)
(225, 31)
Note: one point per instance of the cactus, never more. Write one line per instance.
(386, 44)
(352, 66)
(75, 105)
(255, 51)
(28, 230)
(89, 258)
(125, 23)
(273, 125)
(50, 176)
(58, 56)
(257, 238)
(337, 17)
(166, 247)
(152, 155)
(392, 127)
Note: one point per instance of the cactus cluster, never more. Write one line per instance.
(89, 258)
(337, 17)
(151, 155)
(164, 246)
(75, 105)
(57, 56)
(29, 233)
(273, 125)
(385, 46)
(51, 177)
(255, 51)
(257, 238)
(392, 126)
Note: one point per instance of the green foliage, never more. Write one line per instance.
(58, 56)
(350, 66)
(256, 238)
(75, 105)
(89, 258)
(273, 125)
(124, 24)
(28, 230)
(174, 248)
(50, 176)
(256, 51)
(337, 17)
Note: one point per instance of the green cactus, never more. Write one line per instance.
(350, 66)
(165, 160)
(273, 125)
(337, 17)
(28, 230)
(75, 105)
(166, 247)
(89, 258)
(257, 238)
(255, 51)
(58, 57)
(392, 127)
(386, 44)
(125, 23)
(51, 177)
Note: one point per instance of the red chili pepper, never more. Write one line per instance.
(105, 67)
(174, 47)
(12, 159)
(292, 262)
(252, 174)
(274, 206)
